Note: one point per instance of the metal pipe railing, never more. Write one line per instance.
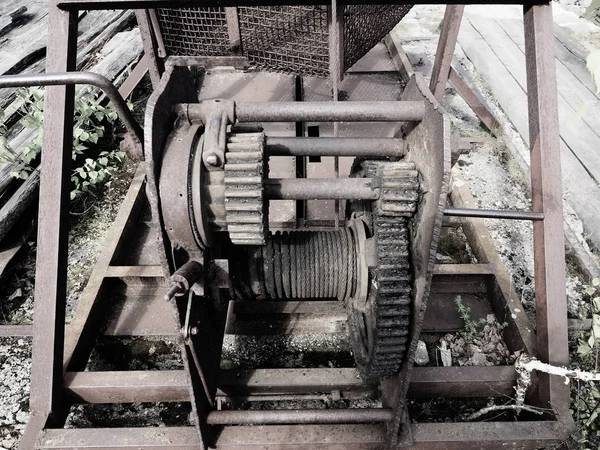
(71, 78)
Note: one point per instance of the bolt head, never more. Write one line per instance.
(212, 159)
(194, 331)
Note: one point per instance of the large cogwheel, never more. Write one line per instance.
(379, 325)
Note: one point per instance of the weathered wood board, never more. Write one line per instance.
(497, 50)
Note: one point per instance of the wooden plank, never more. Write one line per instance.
(579, 189)
(572, 96)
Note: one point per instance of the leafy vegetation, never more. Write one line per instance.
(585, 396)
(471, 326)
(93, 166)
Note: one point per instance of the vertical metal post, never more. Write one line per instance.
(51, 264)
(445, 50)
(233, 30)
(336, 74)
(151, 48)
(548, 235)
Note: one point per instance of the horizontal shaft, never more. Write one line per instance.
(321, 189)
(342, 146)
(389, 111)
(257, 417)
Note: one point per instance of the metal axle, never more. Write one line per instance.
(306, 416)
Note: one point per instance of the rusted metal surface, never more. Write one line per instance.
(323, 188)
(445, 50)
(494, 214)
(302, 416)
(548, 235)
(432, 138)
(88, 78)
(473, 99)
(328, 111)
(53, 218)
(155, 64)
(183, 385)
(316, 146)
(132, 4)
(91, 307)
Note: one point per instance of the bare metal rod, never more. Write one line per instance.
(139, 4)
(341, 146)
(68, 78)
(304, 416)
(328, 111)
(321, 189)
(494, 214)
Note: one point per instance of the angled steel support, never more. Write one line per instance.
(445, 50)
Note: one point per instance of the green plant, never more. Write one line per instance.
(589, 341)
(471, 327)
(92, 166)
(585, 396)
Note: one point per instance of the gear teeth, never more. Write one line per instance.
(244, 199)
(391, 213)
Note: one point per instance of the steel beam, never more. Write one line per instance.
(53, 219)
(135, 4)
(445, 50)
(548, 235)
(430, 436)
(172, 385)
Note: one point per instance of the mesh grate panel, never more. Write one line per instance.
(280, 38)
(194, 31)
(366, 25)
(286, 38)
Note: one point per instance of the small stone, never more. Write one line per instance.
(478, 359)
(421, 355)
(489, 348)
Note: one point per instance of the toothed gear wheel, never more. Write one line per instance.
(379, 327)
(245, 209)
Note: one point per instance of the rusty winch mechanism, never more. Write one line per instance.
(213, 193)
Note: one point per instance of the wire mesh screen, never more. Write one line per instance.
(366, 25)
(286, 38)
(292, 39)
(194, 31)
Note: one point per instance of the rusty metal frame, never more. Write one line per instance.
(48, 397)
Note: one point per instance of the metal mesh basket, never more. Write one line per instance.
(293, 39)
